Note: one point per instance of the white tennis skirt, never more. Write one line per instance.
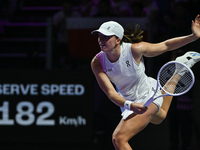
(158, 101)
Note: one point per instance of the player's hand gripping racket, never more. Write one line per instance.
(174, 79)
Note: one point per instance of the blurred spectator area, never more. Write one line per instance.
(24, 32)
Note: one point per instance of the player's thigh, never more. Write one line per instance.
(134, 123)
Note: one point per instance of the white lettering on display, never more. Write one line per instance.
(72, 121)
(25, 115)
(12, 89)
(45, 89)
(5, 115)
(62, 89)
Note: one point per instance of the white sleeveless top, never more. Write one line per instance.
(129, 76)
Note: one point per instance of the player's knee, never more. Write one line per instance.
(158, 119)
(117, 141)
(162, 118)
(157, 122)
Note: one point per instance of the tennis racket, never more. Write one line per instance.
(174, 78)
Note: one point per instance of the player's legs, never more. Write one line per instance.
(189, 59)
(162, 113)
(128, 128)
(170, 85)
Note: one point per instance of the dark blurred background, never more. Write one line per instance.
(50, 42)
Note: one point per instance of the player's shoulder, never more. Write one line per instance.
(139, 45)
(95, 63)
(138, 49)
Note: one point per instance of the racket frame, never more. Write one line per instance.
(148, 102)
(189, 70)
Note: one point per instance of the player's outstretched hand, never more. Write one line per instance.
(138, 108)
(196, 26)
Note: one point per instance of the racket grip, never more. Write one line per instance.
(148, 102)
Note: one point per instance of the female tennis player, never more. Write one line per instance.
(120, 61)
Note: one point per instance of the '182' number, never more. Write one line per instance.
(26, 117)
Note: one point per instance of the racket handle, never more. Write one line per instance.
(148, 102)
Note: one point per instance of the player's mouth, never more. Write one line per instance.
(102, 45)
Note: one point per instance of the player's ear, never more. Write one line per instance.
(118, 40)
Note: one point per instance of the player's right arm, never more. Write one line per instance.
(108, 88)
(154, 49)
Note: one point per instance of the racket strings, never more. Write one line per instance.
(173, 83)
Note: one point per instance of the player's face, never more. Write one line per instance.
(107, 43)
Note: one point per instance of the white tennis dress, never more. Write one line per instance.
(129, 77)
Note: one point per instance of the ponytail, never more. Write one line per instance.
(133, 36)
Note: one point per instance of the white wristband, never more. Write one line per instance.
(127, 105)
